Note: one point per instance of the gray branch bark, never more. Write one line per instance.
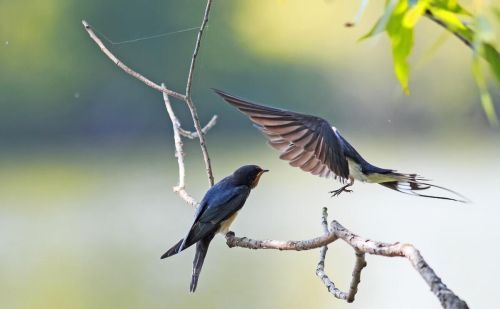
(361, 246)
(189, 100)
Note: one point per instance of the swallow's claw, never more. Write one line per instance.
(338, 191)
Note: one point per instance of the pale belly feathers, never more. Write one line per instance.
(224, 226)
(356, 173)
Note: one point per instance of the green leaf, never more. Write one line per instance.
(484, 44)
(493, 57)
(371, 33)
(381, 23)
(402, 42)
(486, 101)
(467, 33)
(452, 6)
(413, 14)
(449, 18)
(401, 48)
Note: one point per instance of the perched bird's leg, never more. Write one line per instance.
(343, 188)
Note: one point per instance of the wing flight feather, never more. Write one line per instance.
(307, 142)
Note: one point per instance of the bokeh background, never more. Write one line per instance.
(87, 165)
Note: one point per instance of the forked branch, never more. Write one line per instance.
(361, 246)
(183, 97)
(179, 154)
(180, 189)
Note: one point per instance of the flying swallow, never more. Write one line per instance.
(217, 210)
(312, 144)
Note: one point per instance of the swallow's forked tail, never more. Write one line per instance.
(199, 258)
(411, 183)
(174, 250)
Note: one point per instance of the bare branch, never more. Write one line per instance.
(320, 269)
(356, 275)
(179, 153)
(187, 98)
(125, 68)
(290, 245)
(447, 298)
(361, 246)
(189, 101)
(320, 272)
(197, 48)
(201, 137)
(206, 128)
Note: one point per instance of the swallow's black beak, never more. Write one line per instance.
(265, 171)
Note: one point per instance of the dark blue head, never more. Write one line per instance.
(248, 175)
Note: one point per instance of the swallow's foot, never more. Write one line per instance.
(340, 190)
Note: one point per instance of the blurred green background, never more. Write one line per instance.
(87, 165)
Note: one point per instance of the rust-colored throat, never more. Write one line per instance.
(257, 178)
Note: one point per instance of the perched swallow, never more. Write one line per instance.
(312, 144)
(216, 212)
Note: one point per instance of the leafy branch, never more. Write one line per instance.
(474, 30)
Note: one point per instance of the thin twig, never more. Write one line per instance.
(361, 246)
(356, 275)
(204, 22)
(179, 153)
(320, 269)
(193, 135)
(320, 272)
(203, 144)
(189, 100)
(125, 68)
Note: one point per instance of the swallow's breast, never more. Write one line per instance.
(226, 224)
(355, 171)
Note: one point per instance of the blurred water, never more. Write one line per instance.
(84, 228)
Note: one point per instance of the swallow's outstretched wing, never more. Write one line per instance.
(218, 205)
(308, 142)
